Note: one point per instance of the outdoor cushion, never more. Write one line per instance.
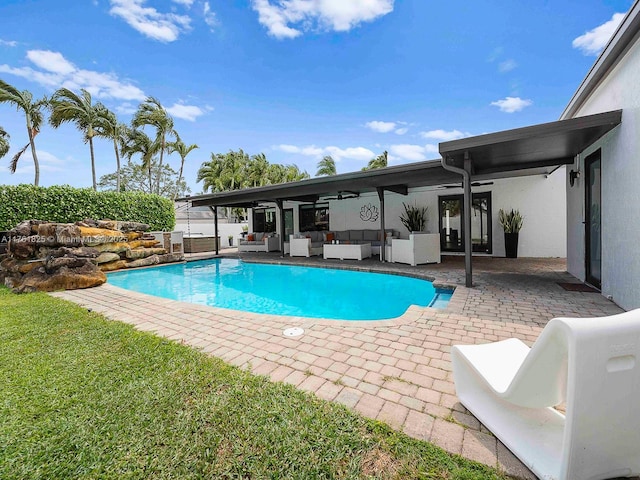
(316, 237)
(250, 237)
(370, 235)
(355, 235)
(342, 235)
(259, 236)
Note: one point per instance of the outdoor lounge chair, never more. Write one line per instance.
(589, 363)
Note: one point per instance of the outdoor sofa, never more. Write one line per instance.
(305, 244)
(259, 242)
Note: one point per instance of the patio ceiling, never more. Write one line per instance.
(534, 150)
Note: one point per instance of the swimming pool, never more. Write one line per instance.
(284, 290)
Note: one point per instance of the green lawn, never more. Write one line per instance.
(83, 397)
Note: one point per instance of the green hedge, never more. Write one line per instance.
(65, 204)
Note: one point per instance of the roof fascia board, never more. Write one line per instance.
(621, 41)
(535, 131)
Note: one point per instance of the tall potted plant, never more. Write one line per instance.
(414, 217)
(511, 223)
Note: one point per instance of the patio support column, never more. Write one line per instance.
(468, 246)
(382, 228)
(215, 229)
(280, 205)
(466, 184)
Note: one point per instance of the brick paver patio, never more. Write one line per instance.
(397, 371)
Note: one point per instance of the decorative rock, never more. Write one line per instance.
(108, 224)
(144, 262)
(113, 247)
(137, 253)
(170, 258)
(96, 236)
(64, 278)
(68, 235)
(115, 265)
(52, 256)
(85, 252)
(133, 236)
(132, 226)
(106, 257)
(23, 247)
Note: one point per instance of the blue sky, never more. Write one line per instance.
(298, 79)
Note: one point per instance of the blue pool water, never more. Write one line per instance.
(284, 290)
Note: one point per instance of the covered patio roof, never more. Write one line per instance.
(534, 150)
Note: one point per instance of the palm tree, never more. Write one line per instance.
(138, 142)
(326, 166)
(257, 170)
(379, 162)
(23, 100)
(183, 150)
(109, 127)
(151, 112)
(67, 106)
(4, 142)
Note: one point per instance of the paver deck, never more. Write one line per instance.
(397, 371)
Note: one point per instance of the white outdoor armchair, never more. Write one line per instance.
(591, 364)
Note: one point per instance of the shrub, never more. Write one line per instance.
(65, 204)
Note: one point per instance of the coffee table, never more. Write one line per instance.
(346, 250)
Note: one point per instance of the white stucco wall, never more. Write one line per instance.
(540, 199)
(620, 187)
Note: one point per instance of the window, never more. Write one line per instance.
(314, 217)
(264, 220)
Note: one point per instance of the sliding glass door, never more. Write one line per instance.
(593, 235)
(451, 212)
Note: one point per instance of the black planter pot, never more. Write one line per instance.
(511, 245)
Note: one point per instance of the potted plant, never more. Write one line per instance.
(230, 237)
(414, 217)
(511, 223)
(245, 230)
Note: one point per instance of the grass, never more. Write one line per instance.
(83, 397)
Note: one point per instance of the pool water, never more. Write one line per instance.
(284, 290)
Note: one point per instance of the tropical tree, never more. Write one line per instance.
(4, 142)
(134, 178)
(293, 174)
(110, 128)
(67, 106)
(257, 171)
(152, 113)
(136, 142)
(225, 171)
(326, 166)
(23, 100)
(182, 149)
(380, 161)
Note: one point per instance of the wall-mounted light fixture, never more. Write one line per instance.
(573, 174)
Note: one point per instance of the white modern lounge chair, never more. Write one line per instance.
(591, 364)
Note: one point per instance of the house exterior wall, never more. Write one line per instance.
(620, 186)
(540, 199)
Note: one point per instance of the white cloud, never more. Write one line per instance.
(185, 112)
(333, 15)
(186, 3)
(382, 127)
(164, 27)
(47, 162)
(55, 71)
(511, 104)
(411, 153)
(209, 16)
(444, 135)
(592, 42)
(352, 153)
(401, 131)
(8, 43)
(51, 61)
(507, 66)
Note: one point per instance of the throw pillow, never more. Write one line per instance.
(250, 237)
